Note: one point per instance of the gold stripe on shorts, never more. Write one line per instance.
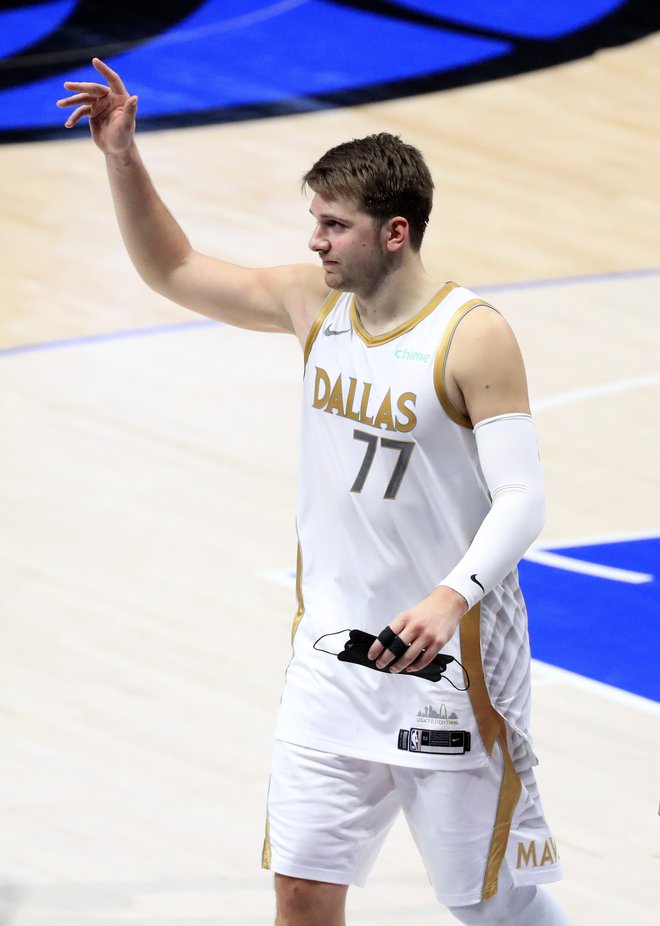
(506, 806)
(266, 854)
(492, 729)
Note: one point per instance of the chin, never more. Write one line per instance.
(333, 280)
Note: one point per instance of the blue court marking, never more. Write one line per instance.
(308, 34)
(202, 323)
(222, 60)
(606, 629)
(518, 17)
(219, 57)
(550, 283)
(603, 629)
(122, 335)
(22, 27)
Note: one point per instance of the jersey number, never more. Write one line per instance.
(405, 448)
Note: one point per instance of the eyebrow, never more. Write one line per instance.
(330, 215)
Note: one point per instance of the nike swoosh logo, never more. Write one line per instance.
(477, 582)
(329, 331)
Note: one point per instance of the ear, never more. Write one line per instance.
(396, 232)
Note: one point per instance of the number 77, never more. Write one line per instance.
(405, 448)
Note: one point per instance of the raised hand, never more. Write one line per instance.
(110, 109)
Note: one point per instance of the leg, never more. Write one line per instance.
(513, 906)
(327, 819)
(476, 830)
(309, 903)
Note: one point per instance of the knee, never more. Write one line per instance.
(301, 902)
(294, 895)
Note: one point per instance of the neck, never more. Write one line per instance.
(395, 298)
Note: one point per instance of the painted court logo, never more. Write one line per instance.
(439, 46)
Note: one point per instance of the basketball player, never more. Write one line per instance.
(420, 490)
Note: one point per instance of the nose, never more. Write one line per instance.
(318, 242)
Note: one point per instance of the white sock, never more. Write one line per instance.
(513, 906)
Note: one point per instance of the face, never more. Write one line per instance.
(350, 245)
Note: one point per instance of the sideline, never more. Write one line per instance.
(173, 328)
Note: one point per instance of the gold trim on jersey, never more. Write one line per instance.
(328, 305)
(491, 729)
(299, 596)
(377, 340)
(488, 720)
(440, 364)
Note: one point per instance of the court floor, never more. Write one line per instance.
(148, 484)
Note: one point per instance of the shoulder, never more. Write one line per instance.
(483, 332)
(485, 370)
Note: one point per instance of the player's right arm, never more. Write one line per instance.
(268, 299)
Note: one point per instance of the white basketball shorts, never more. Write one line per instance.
(328, 817)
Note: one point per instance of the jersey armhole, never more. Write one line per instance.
(328, 305)
(440, 363)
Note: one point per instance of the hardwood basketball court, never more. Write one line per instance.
(148, 484)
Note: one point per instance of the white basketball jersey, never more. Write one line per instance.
(391, 496)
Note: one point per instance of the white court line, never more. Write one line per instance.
(601, 539)
(569, 564)
(545, 674)
(595, 392)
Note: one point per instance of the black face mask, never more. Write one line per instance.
(359, 643)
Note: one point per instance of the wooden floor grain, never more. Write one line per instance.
(147, 490)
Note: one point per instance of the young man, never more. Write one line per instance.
(420, 491)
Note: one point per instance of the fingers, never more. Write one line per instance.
(411, 648)
(78, 99)
(377, 649)
(76, 116)
(115, 82)
(86, 93)
(85, 97)
(392, 645)
(420, 660)
(414, 638)
(412, 652)
(86, 86)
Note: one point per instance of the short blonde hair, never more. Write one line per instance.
(383, 175)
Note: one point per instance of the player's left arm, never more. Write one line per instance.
(485, 380)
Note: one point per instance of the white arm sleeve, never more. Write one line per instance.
(509, 458)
